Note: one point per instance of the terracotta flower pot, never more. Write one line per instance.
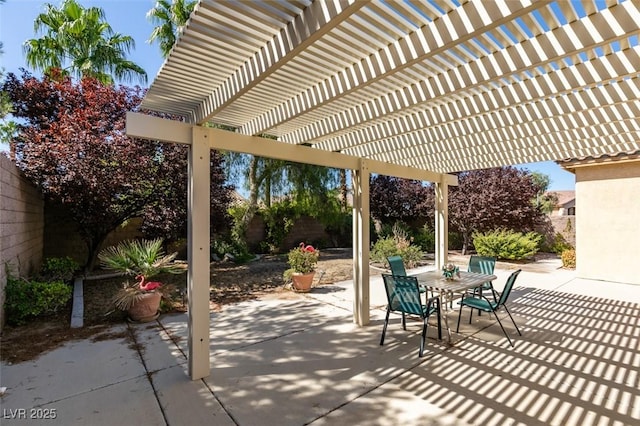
(146, 308)
(302, 282)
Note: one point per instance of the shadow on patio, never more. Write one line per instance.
(302, 361)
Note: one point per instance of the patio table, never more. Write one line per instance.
(434, 281)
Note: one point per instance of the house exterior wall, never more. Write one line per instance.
(607, 231)
(564, 210)
(21, 226)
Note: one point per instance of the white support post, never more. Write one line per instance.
(361, 302)
(198, 253)
(442, 222)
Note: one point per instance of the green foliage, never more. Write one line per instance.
(279, 219)
(139, 257)
(302, 259)
(386, 247)
(398, 244)
(425, 238)
(236, 247)
(59, 269)
(169, 17)
(569, 258)
(559, 244)
(27, 299)
(506, 244)
(79, 41)
(456, 240)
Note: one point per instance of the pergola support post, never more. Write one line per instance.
(442, 222)
(198, 276)
(361, 302)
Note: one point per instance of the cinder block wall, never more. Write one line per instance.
(21, 226)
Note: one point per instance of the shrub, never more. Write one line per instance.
(382, 249)
(397, 245)
(456, 241)
(26, 299)
(411, 255)
(505, 244)
(237, 248)
(569, 258)
(560, 244)
(58, 269)
(426, 239)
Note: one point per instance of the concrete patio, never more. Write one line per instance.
(302, 361)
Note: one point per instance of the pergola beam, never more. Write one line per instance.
(155, 128)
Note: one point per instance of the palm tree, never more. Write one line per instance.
(170, 17)
(79, 42)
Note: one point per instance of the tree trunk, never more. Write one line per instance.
(253, 193)
(267, 191)
(343, 187)
(465, 242)
(93, 245)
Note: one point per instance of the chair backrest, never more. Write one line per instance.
(482, 264)
(403, 294)
(397, 265)
(507, 287)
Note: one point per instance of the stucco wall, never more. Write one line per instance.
(607, 230)
(21, 226)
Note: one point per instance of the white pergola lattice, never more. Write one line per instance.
(409, 88)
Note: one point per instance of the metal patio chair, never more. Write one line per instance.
(483, 304)
(397, 265)
(403, 296)
(483, 265)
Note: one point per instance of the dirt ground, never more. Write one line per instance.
(230, 283)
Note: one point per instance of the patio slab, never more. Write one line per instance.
(303, 361)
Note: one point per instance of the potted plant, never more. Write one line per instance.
(141, 260)
(450, 270)
(302, 262)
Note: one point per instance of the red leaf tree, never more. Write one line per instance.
(489, 199)
(72, 144)
(395, 199)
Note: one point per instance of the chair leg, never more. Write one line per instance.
(514, 323)
(503, 330)
(459, 315)
(439, 314)
(424, 335)
(404, 322)
(384, 328)
(479, 292)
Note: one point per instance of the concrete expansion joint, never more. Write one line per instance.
(138, 347)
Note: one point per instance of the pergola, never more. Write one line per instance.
(414, 89)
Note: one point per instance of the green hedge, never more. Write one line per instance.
(28, 299)
(505, 244)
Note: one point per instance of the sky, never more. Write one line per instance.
(128, 17)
